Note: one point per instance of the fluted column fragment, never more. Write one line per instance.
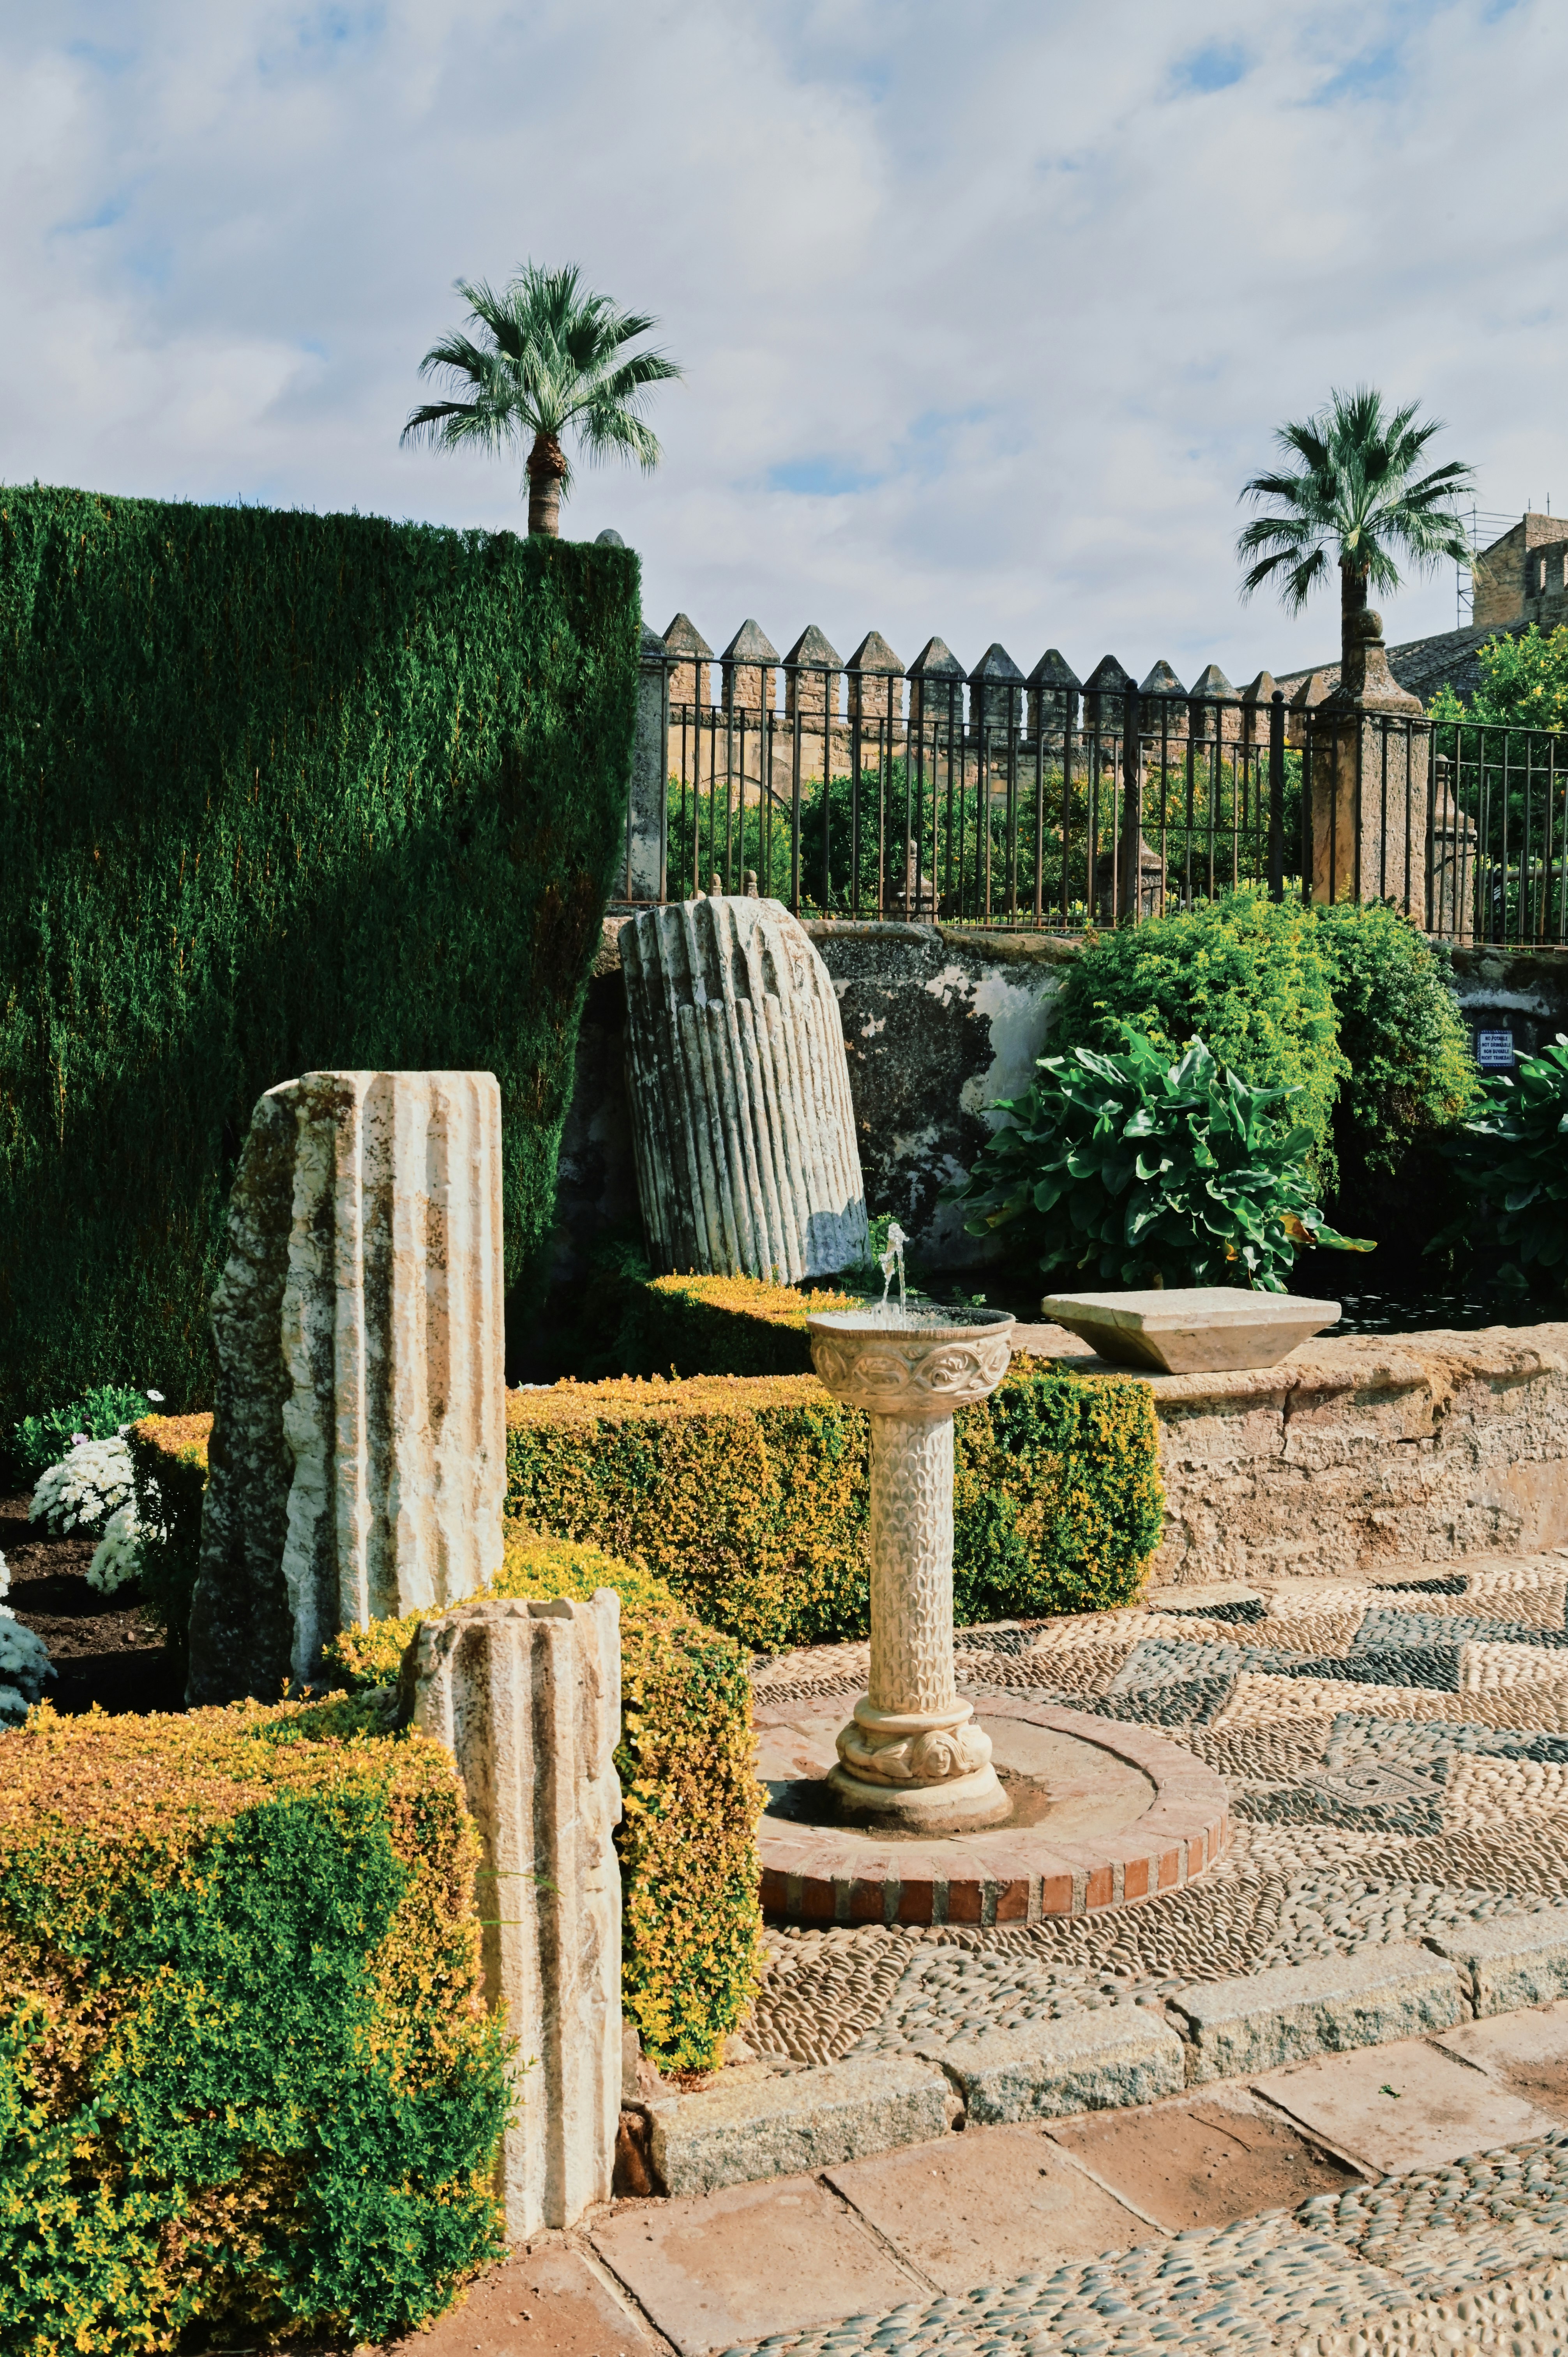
(527, 1697)
(744, 1129)
(357, 1455)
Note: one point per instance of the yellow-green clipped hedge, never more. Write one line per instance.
(246, 2078)
(688, 1839)
(749, 1496)
(697, 1325)
(689, 1869)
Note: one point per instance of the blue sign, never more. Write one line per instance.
(1494, 1050)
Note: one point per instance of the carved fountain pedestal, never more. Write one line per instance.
(912, 1755)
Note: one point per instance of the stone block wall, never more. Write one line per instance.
(1350, 1456)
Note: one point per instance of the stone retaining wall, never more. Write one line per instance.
(1350, 1454)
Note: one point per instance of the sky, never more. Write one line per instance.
(986, 313)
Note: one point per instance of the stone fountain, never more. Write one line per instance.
(912, 1755)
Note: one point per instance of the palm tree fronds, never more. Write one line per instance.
(543, 354)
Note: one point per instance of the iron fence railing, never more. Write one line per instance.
(1050, 803)
(1091, 805)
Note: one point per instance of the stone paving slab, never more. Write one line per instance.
(1206, 2159)
(984, 2205)
(1392, 2109)
(549, 2302)
(751, 2260)
(1527, 2051)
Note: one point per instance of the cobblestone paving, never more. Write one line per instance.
(1397, 1751)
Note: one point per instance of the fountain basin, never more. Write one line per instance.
(1102, 1813)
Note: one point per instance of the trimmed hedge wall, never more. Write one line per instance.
(687, 1840)
(687, 1846)
(277, 792)
(749, 1497)
(246, 2078)
(635, 1324)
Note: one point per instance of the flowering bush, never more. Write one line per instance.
(91, 1481)
(118, 1555)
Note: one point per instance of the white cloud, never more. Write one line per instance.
(1023, 288)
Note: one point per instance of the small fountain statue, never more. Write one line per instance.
(912, 1752)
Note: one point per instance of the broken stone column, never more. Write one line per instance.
(358, 1456)
(527, 1697)
(743, 1131)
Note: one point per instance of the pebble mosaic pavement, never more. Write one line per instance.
(1397, 1753)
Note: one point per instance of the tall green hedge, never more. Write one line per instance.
(277, 792)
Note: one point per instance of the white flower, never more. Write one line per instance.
(85, 1488)
(117, 1556)
(156, 1397)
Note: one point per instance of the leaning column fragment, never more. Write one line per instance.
(742, 1122)
(527, 1697)
(358, 1456)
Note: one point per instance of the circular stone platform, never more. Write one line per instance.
(1103, 1813)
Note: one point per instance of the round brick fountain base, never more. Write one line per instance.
(1103, 1814)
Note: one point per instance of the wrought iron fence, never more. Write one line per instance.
(1050, 803)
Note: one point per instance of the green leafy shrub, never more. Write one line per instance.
(247, 2083)
(1125, 1170)
(1245, 974)
(1524, 684)
(1411, 1077)
(688, 1839)
(277, 792)
(1511, 1161)
(39, 1441)
(749, 1497)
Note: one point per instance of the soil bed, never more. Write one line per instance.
(103, 1650)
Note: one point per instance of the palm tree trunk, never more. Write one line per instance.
(546, 465)
(1352, 606)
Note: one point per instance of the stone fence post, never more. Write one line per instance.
(527, 1697)
(1370, 748)
(646, 813)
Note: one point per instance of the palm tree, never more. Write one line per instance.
(1355, 500)
(549, 359)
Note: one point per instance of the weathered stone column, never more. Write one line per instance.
(743, 1131)
(1371, 744)
(912, 1751)
(527, 1697)
(358, 1456)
